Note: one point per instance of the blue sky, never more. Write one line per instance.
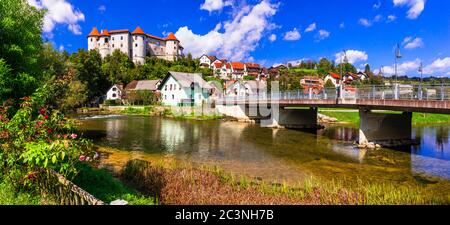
(272, 31)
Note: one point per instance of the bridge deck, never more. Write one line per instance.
(424, 106)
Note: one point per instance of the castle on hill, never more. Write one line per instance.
(137, 44)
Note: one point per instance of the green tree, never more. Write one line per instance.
(74, 97)
(117, 67)
(89, 71)
(325, 66)
(20, 44)
(346, 67)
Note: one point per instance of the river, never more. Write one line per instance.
(279, 155)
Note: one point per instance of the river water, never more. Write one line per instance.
(278, 155)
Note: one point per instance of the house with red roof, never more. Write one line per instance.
(334, 78)
(136, 44)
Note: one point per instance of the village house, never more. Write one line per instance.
(252, 69)
(115, 92)
(334, 78)
(207, 61)
(136, 45)
(237, 70)
(350, 77)
(312, 83)
(180, 89)
(241, 88)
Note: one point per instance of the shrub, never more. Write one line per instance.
(112, 102)
(144, 177)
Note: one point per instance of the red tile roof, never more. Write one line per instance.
(212, 58)
(119, 31)
(218, 64)
(132, 85)
(335, 76)
(253, 65)
(154, 37)
(138, 31)
(105, 33)
(171, 37)
(237, 65)
(94, 33)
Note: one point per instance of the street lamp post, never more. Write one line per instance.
(344, 61)
(421, 81)
(397, 57)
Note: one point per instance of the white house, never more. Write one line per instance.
(245, 88)
(115, 92)
(334, 78)
(184, 89)
(207, 61)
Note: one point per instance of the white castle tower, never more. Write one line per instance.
(172, 47)
(93, 39)
(104, 48)
(137, 44)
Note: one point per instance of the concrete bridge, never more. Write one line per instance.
(299, 109)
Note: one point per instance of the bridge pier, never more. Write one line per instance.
(384, 128)
(292, 119)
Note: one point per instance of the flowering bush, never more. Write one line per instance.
(37, 138)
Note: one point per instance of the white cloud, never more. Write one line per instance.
(342, 25)
(61, 48)
(406, 40)
(272, 37)
(102, 8)
(215, 5)
(234, 39)
(311, 28)
(353, 56)
(416, 7)
(293, 35)
(411, 43)
(403, 68)
(438, 66)
(59, 12)
(322, 34)
(365, 22)
(378, 18)
(377, 5)
(391, 18)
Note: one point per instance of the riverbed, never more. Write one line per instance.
(286, 156)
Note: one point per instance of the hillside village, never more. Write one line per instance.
(225, 78)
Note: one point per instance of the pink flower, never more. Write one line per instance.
(39, 123)
(82, 158)
(74, 136)
(45, 117)
(50, 131)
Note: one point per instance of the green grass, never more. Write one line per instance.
(8, 196)
(307, 71)
(424, 118)
(101, 184)
(418, 118)
(138, 111)
(200, 117)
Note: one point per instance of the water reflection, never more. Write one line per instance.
(279, 154)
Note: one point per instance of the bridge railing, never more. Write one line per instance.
(394, 92)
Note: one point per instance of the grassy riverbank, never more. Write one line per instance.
(161, 111)
(9, 196)
(176, 182)
(101, 184)
(352, 117)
